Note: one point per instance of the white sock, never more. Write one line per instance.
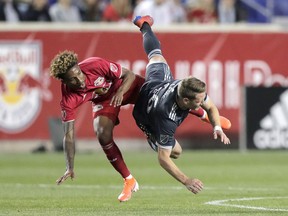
(129, 177)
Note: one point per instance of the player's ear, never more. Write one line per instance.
(186, 100)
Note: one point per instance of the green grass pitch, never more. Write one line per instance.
(251, 183)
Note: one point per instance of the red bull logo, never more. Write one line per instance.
(23, 85)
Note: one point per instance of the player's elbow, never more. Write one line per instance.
(176, 152)
(175, 155)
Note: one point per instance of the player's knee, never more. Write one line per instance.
(103, 128)
(104, 135)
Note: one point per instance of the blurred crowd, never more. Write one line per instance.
(163, 11)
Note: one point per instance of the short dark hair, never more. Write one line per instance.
(190, 87)
(62, 63)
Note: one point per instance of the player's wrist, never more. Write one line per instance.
(217, 128)
(184, 180)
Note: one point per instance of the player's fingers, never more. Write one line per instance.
(222, 138)
(215, 135)
(227, 141)
(119, 102)
(63, 178)
(195, 188)
(190, 188)
(59, 181)
(112, 102)
(199, 187)
(116, 101)
(198, 182)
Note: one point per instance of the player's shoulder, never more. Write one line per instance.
(91, 60)
(98, 62)
(92, 64)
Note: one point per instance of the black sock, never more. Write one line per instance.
(151, 43)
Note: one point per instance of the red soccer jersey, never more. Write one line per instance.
(100, 73)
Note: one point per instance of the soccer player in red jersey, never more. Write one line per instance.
(108, 86)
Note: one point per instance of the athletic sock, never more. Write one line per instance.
(129, 177)
(150, 42)
(114, 155)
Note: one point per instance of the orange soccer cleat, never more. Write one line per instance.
(139, 20)
(130, 185)
(225, 123)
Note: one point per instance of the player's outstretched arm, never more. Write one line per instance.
(128, 78)
(214, 117)
(69, 149)
(193, 185)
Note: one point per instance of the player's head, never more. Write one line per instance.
(62, 63)
(191, 92)
(65, 67)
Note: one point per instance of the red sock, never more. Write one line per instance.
(114, 155)
(199, 113)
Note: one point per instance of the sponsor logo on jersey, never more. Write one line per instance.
(99, 81)
(22, 85)
(113, 68)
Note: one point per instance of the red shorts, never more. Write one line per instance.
(104, 108)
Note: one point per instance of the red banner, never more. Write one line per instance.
(225, 61)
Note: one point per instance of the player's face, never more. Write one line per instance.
(75, 78)
(196, 102)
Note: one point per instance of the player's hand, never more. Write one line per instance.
(117, 99)
(67, 174)
(194, 185)
(218, 132)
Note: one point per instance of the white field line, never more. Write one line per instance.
(224, 203)
(144, 187)
(151, 187)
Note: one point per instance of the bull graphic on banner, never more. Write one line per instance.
(22, 85)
